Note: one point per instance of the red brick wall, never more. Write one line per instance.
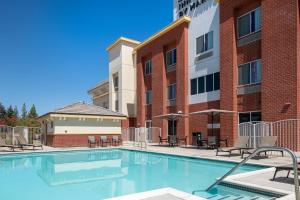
(177, 37)
(230, 57)
(249, 102)
(69, 140)
(280, 71)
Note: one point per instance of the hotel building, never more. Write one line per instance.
(242, 56)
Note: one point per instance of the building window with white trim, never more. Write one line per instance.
(249, 73)
(204, 43)
(249, 23)
(171, 57)
(172, 92)
(148, 67)
(148, 97)
(249, 117)
(208, 83)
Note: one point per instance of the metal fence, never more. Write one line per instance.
(137, 135)
(32, 135)
(287, 132)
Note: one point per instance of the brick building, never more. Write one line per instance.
(242, 56)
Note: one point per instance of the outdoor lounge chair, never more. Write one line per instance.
(92, 141)
(266, 141)
(23, 143)
(116, 140)
(287, 168)
(104, 140)
(4, 144)
(240, 144)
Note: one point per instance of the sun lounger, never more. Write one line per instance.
(23, 143)
(104, 140)
(3, 144)
(116, 140)
(266, 141)
(92, 141)
(240, 144)
(287, 168)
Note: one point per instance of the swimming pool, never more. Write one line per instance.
(100, 174)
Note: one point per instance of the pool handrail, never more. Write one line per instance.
(258, 150)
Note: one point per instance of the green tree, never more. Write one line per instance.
(2, 111)
(24, 111)
(32, 113)
(10, 112)
(16, 112)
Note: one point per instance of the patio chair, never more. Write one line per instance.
(162, 140)
(116, 140)
(4, 144)
(172, 140)
(182, 140)
(240, 144)
(287, 168)
(104, 140)
(92, 141)
(212, 142)
(266, 141)
(23, 143)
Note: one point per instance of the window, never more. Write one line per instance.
(217, 81)
(249, 117)
(116, 82)
(51, 124)
(117, 105)
(204, 42)
(172, 92)
(171, 57)
(209, 83)
(201, 84)
(206, 83)
(249, 23)
(249, 73)
(148, 67)
(194, 86)
(148, 97)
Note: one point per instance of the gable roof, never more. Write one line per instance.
(81, 108)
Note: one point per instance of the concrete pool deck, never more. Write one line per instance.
(260, 179)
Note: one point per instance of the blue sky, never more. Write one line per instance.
(53, 51)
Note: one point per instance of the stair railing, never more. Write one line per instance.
(257, 151)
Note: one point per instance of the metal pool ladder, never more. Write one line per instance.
(258, 150)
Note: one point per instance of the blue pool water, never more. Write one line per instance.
(100, 174)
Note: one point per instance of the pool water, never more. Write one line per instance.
(100, 174)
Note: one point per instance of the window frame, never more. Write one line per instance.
(249, 112)
(237, 22)
(150, 97)
(171, 50)
(204, 42)
(171, 85)
(249, 72)
(150, 68)
(204, 85)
